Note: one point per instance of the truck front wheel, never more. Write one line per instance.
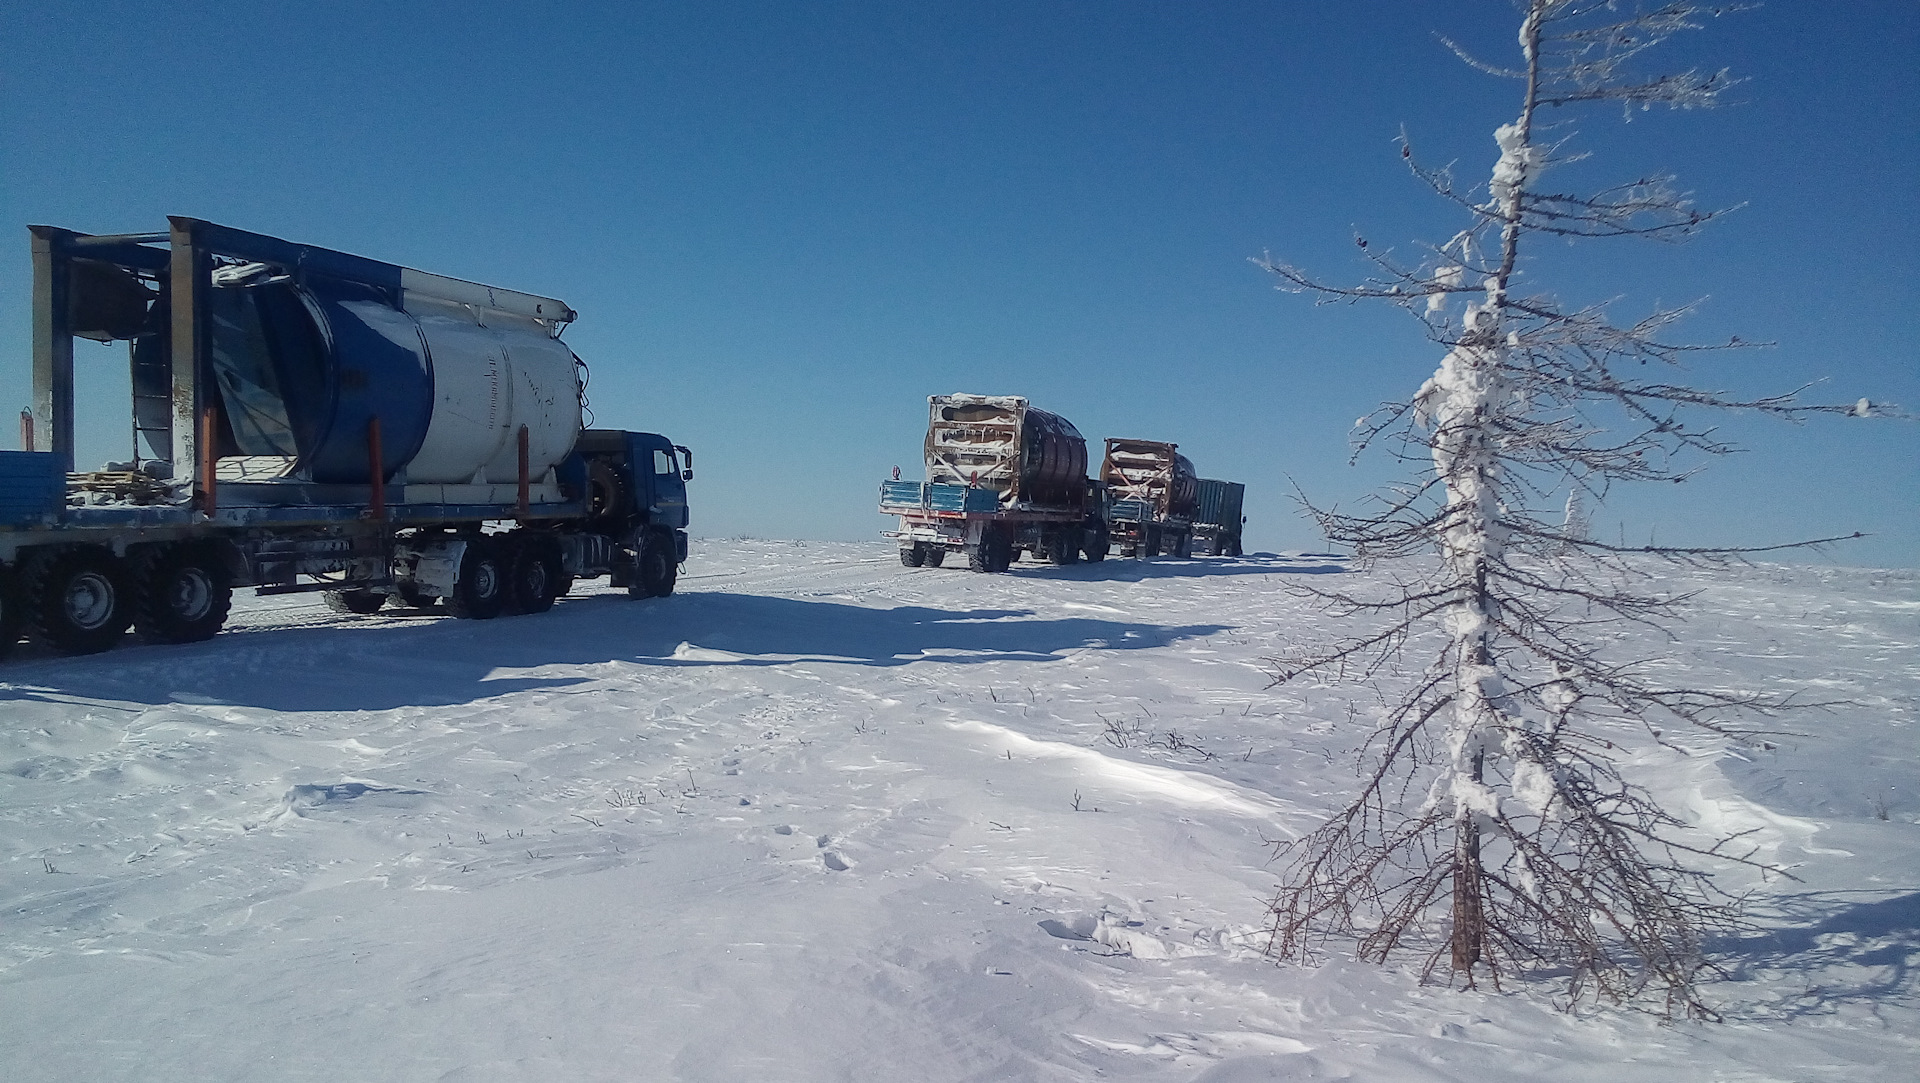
(185, 595)
(79, 600)
(655, 570)
(480, 587)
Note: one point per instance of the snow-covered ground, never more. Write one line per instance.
(821, 817)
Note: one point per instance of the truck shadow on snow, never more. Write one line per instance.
(1126, 570)
(386, 663)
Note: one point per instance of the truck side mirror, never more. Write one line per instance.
(687, 453)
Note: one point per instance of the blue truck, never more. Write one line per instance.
(306, 420)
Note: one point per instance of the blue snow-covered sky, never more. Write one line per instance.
(784, 224)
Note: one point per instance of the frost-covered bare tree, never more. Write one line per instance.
(1495, 832)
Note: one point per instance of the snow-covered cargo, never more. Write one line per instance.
(1027, 455)
(1150, 471)
(1154, 489)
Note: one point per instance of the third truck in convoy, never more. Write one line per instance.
(1154, 490)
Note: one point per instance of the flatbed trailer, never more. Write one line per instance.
(938, 519)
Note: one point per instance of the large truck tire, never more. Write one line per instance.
(534, 581)
(995, 551)
(656, 570)
(607, 491)
(1095, 545)
(977, 558)
(936, 555)
(185, 594)
(913, 556)
(1063, 546)
(1149, 543)
(480, 586)
(1183, 546)
(78, 600)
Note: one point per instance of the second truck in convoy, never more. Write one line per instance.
(309, 420)
(1154, 490)
(1161, 508)
(1002, 477)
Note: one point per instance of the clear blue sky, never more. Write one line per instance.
(784, 224)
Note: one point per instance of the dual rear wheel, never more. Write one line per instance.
(480, 589)
(77, 600)
(921, 554)
(1063, 546)
(184, 594)
(994, 553)
(82, 599)
(496, 576)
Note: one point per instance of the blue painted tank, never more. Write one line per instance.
(453, 370)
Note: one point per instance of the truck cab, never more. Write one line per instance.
(636, 489)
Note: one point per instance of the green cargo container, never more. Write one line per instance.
(1217, 518)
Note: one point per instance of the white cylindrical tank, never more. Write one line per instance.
(494, 370)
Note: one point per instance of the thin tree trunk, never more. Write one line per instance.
(1469, 914)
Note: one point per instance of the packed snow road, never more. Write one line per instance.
(821, 817)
